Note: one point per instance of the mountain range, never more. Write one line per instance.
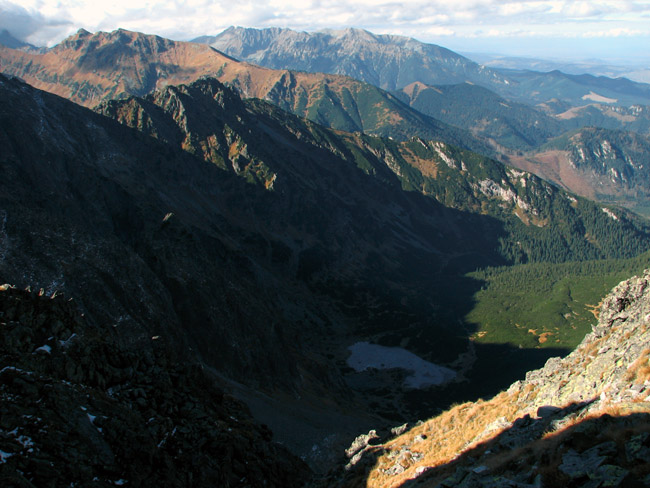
(597, 67)
(88, 68)
(393, 62)
(511, 110)
(234, 203)
(195, 215)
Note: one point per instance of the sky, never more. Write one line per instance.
(611, 30)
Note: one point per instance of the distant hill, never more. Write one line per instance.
(484, 113)
(635, 118)
(6, 39)
(393, 62)
(596, 67)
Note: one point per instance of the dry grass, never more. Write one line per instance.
(455, 431)
(428, 167)
(639, 370)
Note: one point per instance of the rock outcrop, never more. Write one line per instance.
(80, 408)
(580, 421)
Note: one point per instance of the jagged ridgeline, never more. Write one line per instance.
(393, 62)
(88, 68)
(528, 219)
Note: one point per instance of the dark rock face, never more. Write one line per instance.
(79, 407)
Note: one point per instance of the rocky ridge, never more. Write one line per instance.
(604, 164)
(387, 61)
(580, 421)
(89, 68)
(393, 62)
(79, 407)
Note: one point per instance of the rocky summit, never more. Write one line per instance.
(580, 421)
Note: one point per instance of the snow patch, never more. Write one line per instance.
(4, 456)
(45, 348)
(423, 373)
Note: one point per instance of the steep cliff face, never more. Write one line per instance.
(80, 407)
(580, 421)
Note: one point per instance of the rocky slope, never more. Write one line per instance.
(393, 62)
(88, 68)
(607, 165)
(80, 407)
(264, 246)
(583, 420)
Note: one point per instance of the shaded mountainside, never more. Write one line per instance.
(264, 245)
(534, 221)
(580, 421)
(214, 124)
(88, 68)
(608, 165)
(80, 407)
(393, 62)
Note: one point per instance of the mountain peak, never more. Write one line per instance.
(8, 40)
(387, 61)
(353, 32)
